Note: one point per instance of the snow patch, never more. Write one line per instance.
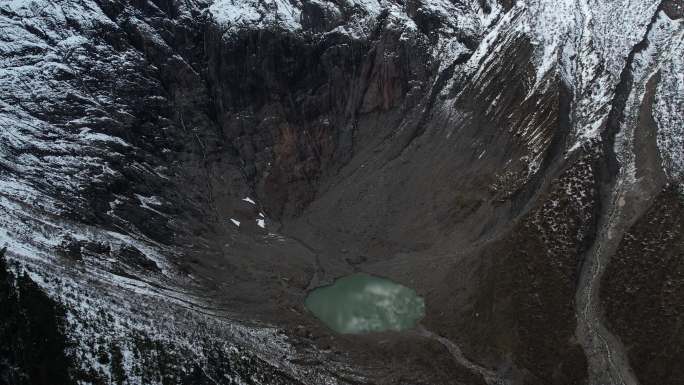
(241, 14)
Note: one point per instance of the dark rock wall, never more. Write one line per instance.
(264, 111)
(294, 106)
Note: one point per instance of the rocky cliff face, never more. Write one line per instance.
(175, 175)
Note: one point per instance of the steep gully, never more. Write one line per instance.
(490, 377)
(623, 200)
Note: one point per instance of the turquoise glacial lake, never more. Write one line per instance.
(362, 303)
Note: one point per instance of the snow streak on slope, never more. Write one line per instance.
(46, 156)
(609, 32)
(585, 42)
(463, 17)
(668, 110)
(660, 54)
(236, 14)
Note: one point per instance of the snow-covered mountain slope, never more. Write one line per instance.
(178, 173)
(79, 105)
